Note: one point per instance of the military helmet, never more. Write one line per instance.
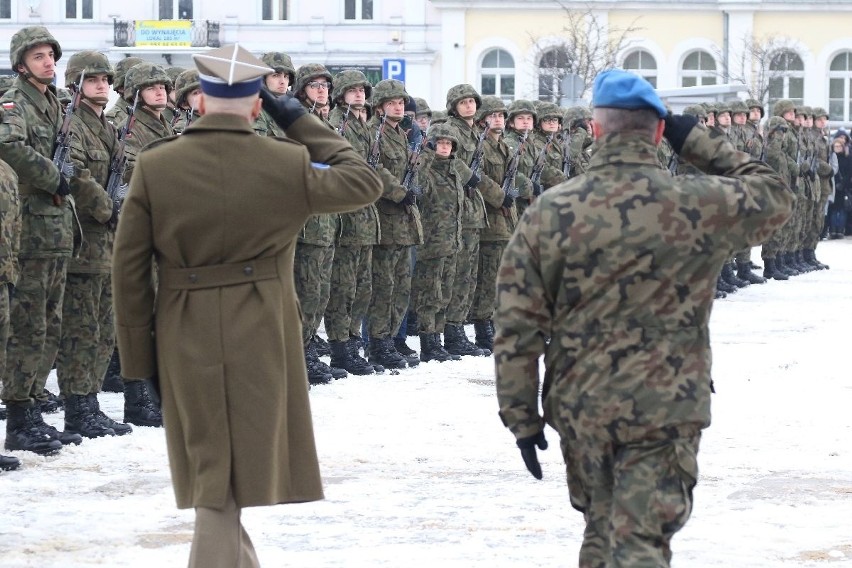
(776, 122)
(723, 106)
(347, 79)
(185, 83)
(696, 111)
(308, 72)
(280, 63)
(782, 106)
(738, 107)
(29, 37)
(754, 103)
(820, 112)
(88, 63)
(438, 117)
(549, 110)
(490, 105)
(804, 110)
(459, 92)
(121, 69)
(386, 90)
(422, 107)
(443, 131)
(144, 75)
(173, 72)
(521, 106)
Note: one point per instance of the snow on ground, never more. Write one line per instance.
(419, 471)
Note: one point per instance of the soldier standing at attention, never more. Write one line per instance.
(522, 117)
(823, 177)
(546, 138)
(276, 83)
(778, 158)
(117, 114)
(220, 208)
(188, 89)
(31, 120)
(617, 268)
(87, 339)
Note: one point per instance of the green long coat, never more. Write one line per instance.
(221, 208)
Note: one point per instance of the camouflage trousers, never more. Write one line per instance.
(805, 223)
(312, 274)
(352, 282)
(464, 280)
(4, 323)
(811, 238)
(793, 228)
(88, 334)
(485, 299)
(431, 289)
(743, 255)
(391, 289)
(634, 497)
(35, 320)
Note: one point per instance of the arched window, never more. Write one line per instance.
(643, 64)
(840, 87)
(497, 75)
(786, 77)
(699, 68)
(552, 67)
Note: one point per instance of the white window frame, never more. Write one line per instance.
(79, 17)
(359, 10)
(175, 15)
(644, 72)
(13, 11)
(551, 73)
(788, 74)
(846, 76)
(699, 74)
(276, 8)
(498, 73)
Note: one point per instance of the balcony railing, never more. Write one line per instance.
(202, 33)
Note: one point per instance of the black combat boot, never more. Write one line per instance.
(354, 345)
(9, 463)
(784, 263)
(409, 354)
(342, 358)
(81, 419)
(52, 403)
(810, 257)
(731, 278)
(120, 428)
(139, 408)
(722, 285)
(484, 334)
(432, 350)
(65, 437)
(770, 270)
(383, 353)
(321, 346)
(318, 372)
(23, 431)
(799, 262)
(320, 366)
(112, 378)
(744, 272)
(457, 343)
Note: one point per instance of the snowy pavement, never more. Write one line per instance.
(419, 471)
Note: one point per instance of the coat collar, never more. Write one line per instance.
(624, 149)
(220, 122)
(45, 102)
(97, 124)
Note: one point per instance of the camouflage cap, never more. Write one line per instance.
(549, 110)
(386, 90)
(696, 111)
(738, 107)
(820, 112)
(280, 63)
(90, 63)
(443, 131)
(144, 75)
(459, 92)
(781, 106)
(308, 72)
(185, 83)
(347, 79)
(29, 37)
(121, 69)
(422, 107)
(521, 106)
(490, 105)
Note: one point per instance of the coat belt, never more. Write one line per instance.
(218, 275)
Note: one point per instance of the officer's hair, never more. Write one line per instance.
(638, 121)
(219, 105)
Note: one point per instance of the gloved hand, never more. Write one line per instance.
(508, 201)
(537, 188)
(63, 188)
(678, 127)
(472, 182)
(527, 446)
(409, 199)
(285, 110)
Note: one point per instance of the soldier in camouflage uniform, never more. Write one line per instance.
(617, 269)
(519, 127)
(352, 267)
(276, 83)
(423, 115)
(810, 188)
(172, 111)
(31, 120)
(88, 332)
(188, 93)
(117, 114)
(824, 176)
(548, 146)
(399, 219)
(575, 133)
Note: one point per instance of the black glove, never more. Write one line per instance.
(537, 189)
(285, 110)
(678, 127)
(63, 188)
(472, 182)
(508, 201)
(409, 198)
(113, 220)
(527, 446)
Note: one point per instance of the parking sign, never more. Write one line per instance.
(393, 69)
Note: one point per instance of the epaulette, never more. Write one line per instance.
(156, 143)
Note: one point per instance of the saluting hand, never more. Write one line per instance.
(285, 110)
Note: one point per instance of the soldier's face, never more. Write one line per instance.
(724, 119)
(466, 108)
(522, 122)
(317, 89)
(740, 118)
(549, 124)
(278, 82)
(96, 89)
(443, 147)
(154, 96)
(356, 96)
(711, 119)
(809, 122)
(496, 121)
(789, 116)
(193, 98)
(40, 62)
(423, 121)
(820, 122)
(754, 114)
(394, 109)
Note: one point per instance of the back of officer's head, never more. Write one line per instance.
(626, 103)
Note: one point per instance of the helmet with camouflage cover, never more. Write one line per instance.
(438, 117)
(459, 92)
(695, 110)
(754, 103)
(782, 106)
(121, 69)
(776, 122)
(443, 131)
(88, 63)
(549, 110)
(490, 105)
(738, 107)
(173, 72)
(144, 75)
(520, 106)
(306, 73)
(387, 90)
(804, 111)
(280, 63)
(185, 83)
(27, 38)
(347, 79)
(422, 107)
(820, 112)
(723, 106)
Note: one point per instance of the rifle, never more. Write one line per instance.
(672, 165)
(62, 146)
(376, 146)
(508, 185)
(538, 166)
(411, 168)
(566, 154)
(476, 160)
(342, 128)
(116, 188)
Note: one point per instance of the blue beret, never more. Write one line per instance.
(618, 88)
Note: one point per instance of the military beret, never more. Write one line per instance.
(617, 88)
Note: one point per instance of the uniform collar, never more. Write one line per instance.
(623, 149)
(43, 101)
(221, 121)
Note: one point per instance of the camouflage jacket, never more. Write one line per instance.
(440, 208)
(824, 171)
(776, 153)
(10, 224)
(618, 269)
(92, 149)
(319, 230)
(400, 223)
(184, 120)
(265, 125)
(753, 140)
(551, 173)
(473, 210)
(147, 129)
(522, 181)
(501, 222)
(31, 121)
(361, 227)
(804, 156)
(117, 114)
